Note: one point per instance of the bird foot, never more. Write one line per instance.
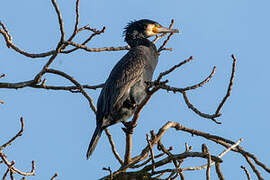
(129, 126)
(130, 105)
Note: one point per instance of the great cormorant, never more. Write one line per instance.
(125, 87)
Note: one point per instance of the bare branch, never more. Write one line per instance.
(208, 163)
(173, 68)
(230, 148)
(77, 17)
(54, 176)
(259, 176)
(224, 142)
(69, 41)
(162, 47)
(170, 155)
(246, 172)
(15, 137)
(11, 172)
(9, 43)
(151, 153)
(110, 171)
(43, 86)
(5, 31)
(202, 82)
(67, 88)
(97, 49)
(153, 87)
(117, 156)
(160, 133)
(164, 34)
(8, 169)
(181, 157)
(2, 75)
(17, 85)
(212, 117)
(219, 173)
(128, 148)
(149, 159)
(12, 168)
(182, 175)
(53, 71)
(229, 87)
(60, 21)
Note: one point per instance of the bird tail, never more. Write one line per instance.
(94, 141)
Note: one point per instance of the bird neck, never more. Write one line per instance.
(140, 41)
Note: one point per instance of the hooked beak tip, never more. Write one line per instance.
(175, 31)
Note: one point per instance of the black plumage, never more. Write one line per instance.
(125, 87)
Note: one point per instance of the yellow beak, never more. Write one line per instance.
(164, 30)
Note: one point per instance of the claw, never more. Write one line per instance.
(129, 126)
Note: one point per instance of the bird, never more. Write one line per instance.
(125, 87)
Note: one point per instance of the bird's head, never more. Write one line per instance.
(143, 29)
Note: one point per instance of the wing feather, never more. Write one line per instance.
(126, 73)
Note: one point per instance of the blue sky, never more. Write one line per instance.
(59, 124)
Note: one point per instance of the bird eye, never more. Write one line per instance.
(157, 25)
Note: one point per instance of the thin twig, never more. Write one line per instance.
(202, 82)
(116, 154)
(110, 171)
(151, 153)
(173, 68)
(246, 172)
(8, 143)
(160, 133)
(37, 78)
(77, 17)
(9, 43)
(164, 34)
(11, 175)
(9, 164)
(182, 175)
(212, 117)
(31, 84)
(54, 176)
(97, 49)
(258, 174)
(6, 173)
(170, 155)
(75, 31)
(61, 73)
(181, 157)
(208, 164)
(181, 90)
(6, 32)
(219, 173)
(220, 140)
(230, 148)
(219, 156)
(2, 75)
(149, 159)
(69, 41)
(162, 47)
(60, 20)
(229, 87)
(67, 88)
(160, 174)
